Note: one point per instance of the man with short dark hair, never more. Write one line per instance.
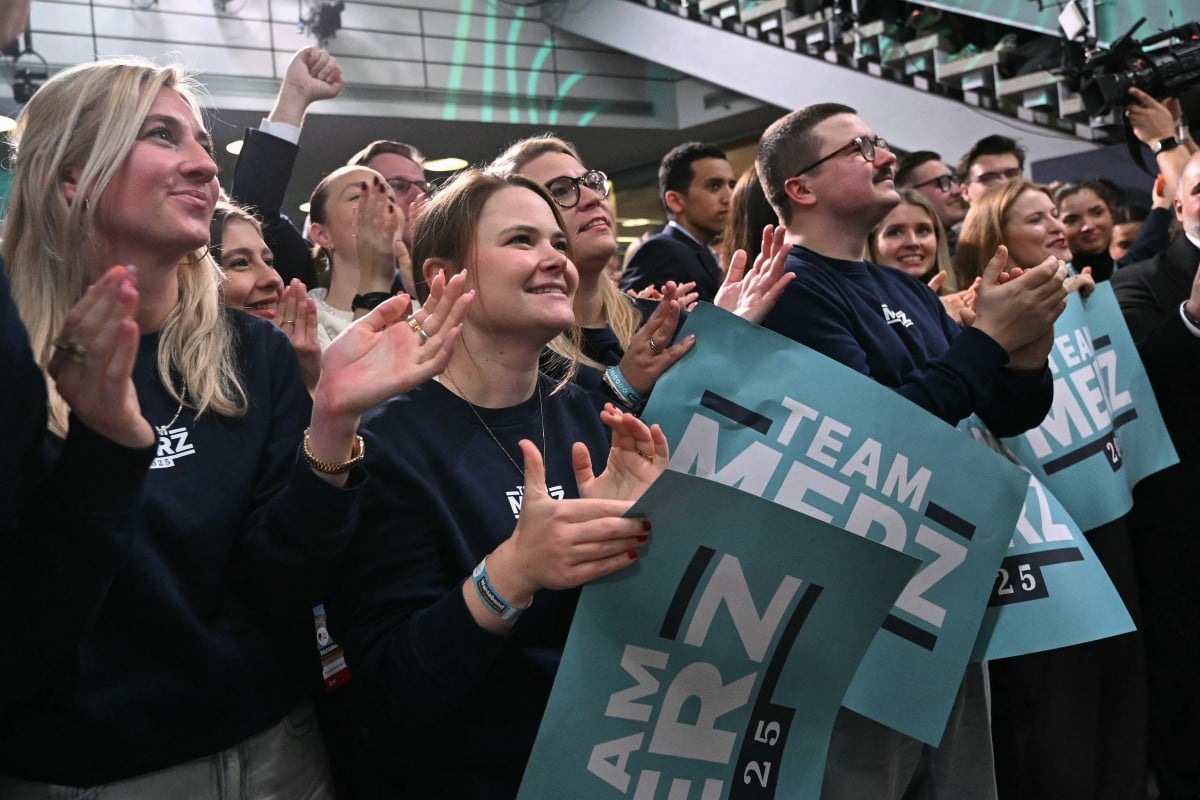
(992, 160)
(830, 179)
(400, 165)
(925, 171)
(696, 184)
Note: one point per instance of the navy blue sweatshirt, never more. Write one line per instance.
(452, 709)
(203, 634)
(886, 324)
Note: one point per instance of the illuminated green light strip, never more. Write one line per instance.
(510, 61)
(450, 110)
(489, 64)
(534, 69)
(571, 80)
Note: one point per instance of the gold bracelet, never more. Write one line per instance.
(328, 468)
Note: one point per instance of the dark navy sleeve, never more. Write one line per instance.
(299, 523)
(967, 376)
(1153, 237)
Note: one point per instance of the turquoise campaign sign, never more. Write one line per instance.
(1051, 589)
(714, 666)
(1104, 432)
(752, 409)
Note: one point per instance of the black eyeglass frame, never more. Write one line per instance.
(998, 175)
(425, 186)
(866, 146)
(944, 182)
(593, 179)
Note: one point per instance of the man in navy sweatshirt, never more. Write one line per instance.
(830, 178)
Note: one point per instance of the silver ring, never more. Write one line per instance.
(655, 347)
(416, 326)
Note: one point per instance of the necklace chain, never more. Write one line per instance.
(478, 416)
(162, 429)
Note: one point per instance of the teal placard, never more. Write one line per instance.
(752, 409)
(1104, 432)
(1051, 589)
(714, 666)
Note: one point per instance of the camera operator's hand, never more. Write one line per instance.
(1151, 120)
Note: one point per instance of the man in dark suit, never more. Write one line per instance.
(696, 184)
(1160, 299)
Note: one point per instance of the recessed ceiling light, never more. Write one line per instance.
(448, 164)
(637, 222)
(234, 147)
(305, 206)
(7, 124)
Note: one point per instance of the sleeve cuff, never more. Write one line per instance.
(1187, 323)
(281, 130)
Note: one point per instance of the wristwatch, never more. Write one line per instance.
(1162, 145)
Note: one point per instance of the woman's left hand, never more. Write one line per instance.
(650, 352)
(751, 295)
(1083, 283)
(638, 455)
(297, 317)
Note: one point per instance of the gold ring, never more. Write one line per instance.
(655, 347)
(417, 329)
(72, 352)
(289, 322)
(648, 456)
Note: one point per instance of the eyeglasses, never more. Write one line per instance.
(866, 146)
(565, 191)
(402, 186)
(988, 178)
(944, 182)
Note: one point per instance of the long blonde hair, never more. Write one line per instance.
(621, 315)
(85, 120)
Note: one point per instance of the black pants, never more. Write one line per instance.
(1169, 581)
(1071, 723)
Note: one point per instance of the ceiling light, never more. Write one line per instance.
(305, 206)
(234, 147)
(638, 222)
(7, 124)
(448, 164)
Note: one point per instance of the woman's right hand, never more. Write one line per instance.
(92, 365)
(557, 544)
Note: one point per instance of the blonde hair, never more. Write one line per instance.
(621, 315)
(85, 120)
(941, 257)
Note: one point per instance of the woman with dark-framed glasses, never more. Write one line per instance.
(630, 343)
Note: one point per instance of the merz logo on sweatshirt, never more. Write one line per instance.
(895, 317)
(172, 444)
(516, 495)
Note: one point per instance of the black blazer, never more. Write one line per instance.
(673, 256)
(260, 180)
(1150, 293)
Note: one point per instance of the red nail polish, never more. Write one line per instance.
(632, 554)
(645, 524)
(642, 539)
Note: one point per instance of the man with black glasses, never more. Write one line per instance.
(925, 171)
(831, 180)
(992, 160)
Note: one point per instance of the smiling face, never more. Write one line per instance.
(161, 199)
(906, 240)
(1088, 221)
(525, 281)
(1032, 231)
(589, 222)
(251, 282)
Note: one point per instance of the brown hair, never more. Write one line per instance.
(786, 146)
(941, 262)
(749, 213)
(983, 229)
